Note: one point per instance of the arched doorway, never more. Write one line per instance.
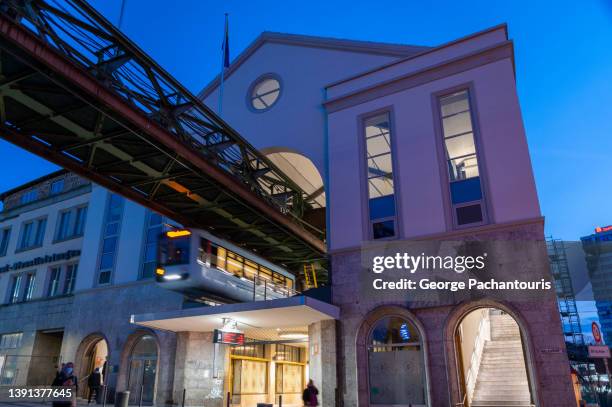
(142, 371)
(92, 354)
(491, 359)
(393, 360)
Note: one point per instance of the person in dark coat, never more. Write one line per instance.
(66, 378)
(94, 382)
(310, 395)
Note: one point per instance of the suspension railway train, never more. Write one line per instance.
(200, 265)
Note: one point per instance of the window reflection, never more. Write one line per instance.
(381, 200)
(461, 158)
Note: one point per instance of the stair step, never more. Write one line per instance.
(501, 391)
(502, 377)
(501, 404)
(512, 385)
(502, 397)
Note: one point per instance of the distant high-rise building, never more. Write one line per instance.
(598, 252)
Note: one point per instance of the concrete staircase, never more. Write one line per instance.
(502, 377)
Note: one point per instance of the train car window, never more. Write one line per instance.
(175, 251)
(265, 273)
(234, 263)
(279, 279)
(221, 258)
(250, 270)
(204, 251)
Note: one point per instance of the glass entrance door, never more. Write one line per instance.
(143, 370)
(142, 374)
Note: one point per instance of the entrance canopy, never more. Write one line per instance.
(273, 320)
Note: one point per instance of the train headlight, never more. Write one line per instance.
(172, 277)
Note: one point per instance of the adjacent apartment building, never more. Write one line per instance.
(395, 143)
(76, 262)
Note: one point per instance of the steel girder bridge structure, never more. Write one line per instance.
(76, 91)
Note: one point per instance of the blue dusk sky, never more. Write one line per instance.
(563, 69)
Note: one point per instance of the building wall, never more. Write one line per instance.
(15, 219)
(130, 244)
(297, 120)
(420, 181)
(107, 312)
(470, 329)
(537, 316)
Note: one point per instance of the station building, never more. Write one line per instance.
(395, 143)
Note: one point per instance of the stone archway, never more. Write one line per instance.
(132, 369)
(454, 359)
(93, 352)
(364, 335)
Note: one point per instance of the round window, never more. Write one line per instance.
(265, 93)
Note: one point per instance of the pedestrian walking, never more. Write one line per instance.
(94, 382)
(66, 378)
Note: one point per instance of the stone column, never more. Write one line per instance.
(195, 370)
(322, 360)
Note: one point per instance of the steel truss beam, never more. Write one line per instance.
(76, 91)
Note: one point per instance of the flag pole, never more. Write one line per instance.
(224, 63)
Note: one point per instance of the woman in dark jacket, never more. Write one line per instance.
(310, 395)
(66, 378)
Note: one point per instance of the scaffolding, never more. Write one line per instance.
(565, 291)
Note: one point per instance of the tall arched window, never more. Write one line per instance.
(395, 363)
(143, 370)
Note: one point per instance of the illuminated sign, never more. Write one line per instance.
(601, 229)
(228, 337)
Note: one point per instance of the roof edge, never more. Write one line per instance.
(424, 52)
(33, 182)
(369, 47)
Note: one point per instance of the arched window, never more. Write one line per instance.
(143, 370)
(395, 363)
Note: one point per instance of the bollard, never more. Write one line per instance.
(228, 399)
(100, 394)
(122, 398)
(140, 396)
(280, 400)
(183, 402)
(104, 396)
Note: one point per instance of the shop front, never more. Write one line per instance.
(249, 353)
(272, 373)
